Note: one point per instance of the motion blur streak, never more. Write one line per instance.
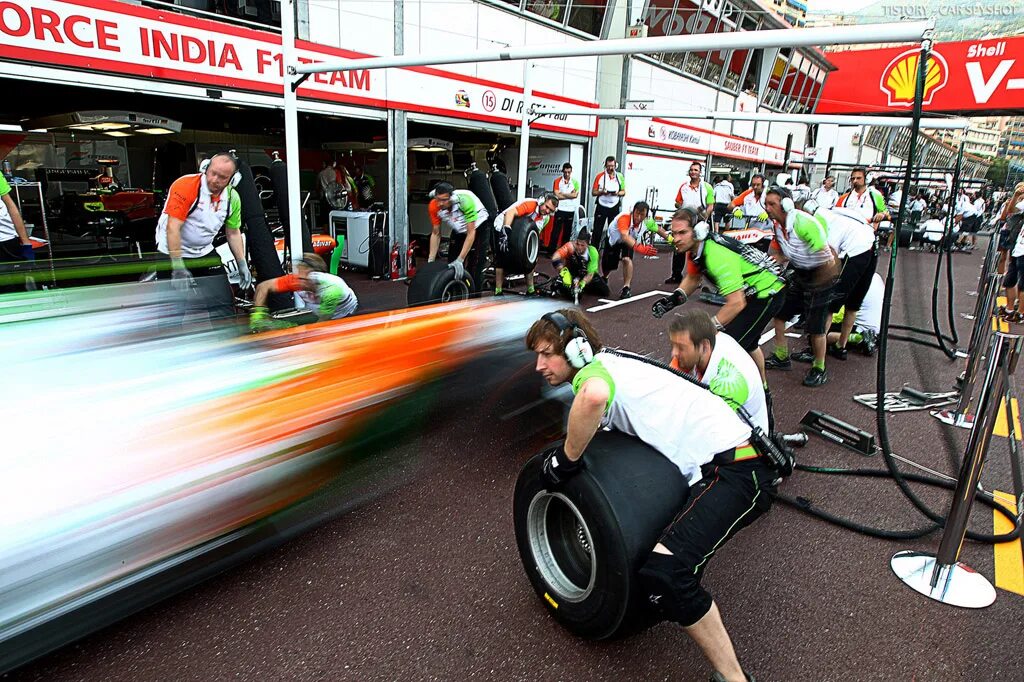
(149, 443)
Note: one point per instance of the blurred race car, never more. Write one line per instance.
(158, 455)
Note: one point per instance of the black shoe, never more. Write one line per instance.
(870, 342)
(673, 280)
(718, 677)
(805, 355)
(625, 293)
(773, 362)
(837, 352)
(816, 377)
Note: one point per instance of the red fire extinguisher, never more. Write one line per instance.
(395, 265)
(410, 262)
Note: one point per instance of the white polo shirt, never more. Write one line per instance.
(684, 422)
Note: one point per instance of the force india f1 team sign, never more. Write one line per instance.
(123, 39)
(964, 76)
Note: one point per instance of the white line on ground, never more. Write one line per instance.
(638, 297)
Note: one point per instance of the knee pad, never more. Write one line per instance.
(672, 591)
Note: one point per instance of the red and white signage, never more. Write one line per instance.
(657, 132)
(971, 75)
(124, 39)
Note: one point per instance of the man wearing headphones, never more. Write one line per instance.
(198, 206)
(698, 196)
(324, 294)
(751, 283)
(802, 239)
(730, 482)
(463, 211)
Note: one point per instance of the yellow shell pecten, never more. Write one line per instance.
(902, 78)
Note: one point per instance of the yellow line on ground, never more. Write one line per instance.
(1009, 557)
(998, 324)
(1000, 428)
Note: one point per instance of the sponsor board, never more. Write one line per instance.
(128, 40)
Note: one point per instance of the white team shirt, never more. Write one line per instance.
(728, 350)
(567, 187)
(201, 225)
(7, 231)
(848, 234)
(724, 192)
(686, 423)
(694, 199)
(753, 207)
(870, 314)
(825, 198)
(609, 183)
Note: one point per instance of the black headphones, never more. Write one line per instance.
(577, 348)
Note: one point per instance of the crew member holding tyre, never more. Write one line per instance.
(538, 213)
(198, 206)
(325, 295)
(463, 211)
(624, 239)
(750, 281)
(609, 188)
(576, 265)
(730, 482)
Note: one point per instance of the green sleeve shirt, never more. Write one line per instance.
(595, 370)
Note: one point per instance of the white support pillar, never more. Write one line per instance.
(291, 129)
(524, 131)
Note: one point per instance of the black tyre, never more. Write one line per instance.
(436, 283)
(502, 192)
(583, 545)
(523, 245)
(479, 186)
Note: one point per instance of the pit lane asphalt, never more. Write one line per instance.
(424, 582)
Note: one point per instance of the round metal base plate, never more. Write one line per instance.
(958, 585)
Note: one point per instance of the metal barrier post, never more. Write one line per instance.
(979, 340)
(942, 576)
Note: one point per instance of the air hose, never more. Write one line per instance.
(891, 470)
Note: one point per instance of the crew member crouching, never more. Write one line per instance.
(730, 482)
(324, 294)
(576, 265)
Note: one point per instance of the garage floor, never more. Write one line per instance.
(425, 583)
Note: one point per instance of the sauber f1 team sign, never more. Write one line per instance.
(127, 40)
(979, 75)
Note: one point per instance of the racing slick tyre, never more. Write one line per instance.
(502, 192)
(479, 186)
(436, 283)
(583, 544)
(523, 246)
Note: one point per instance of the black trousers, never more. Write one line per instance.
(727, 499)
(213, 291)
(474, 259)
(562, 229)
(13, 266)
(602, 214)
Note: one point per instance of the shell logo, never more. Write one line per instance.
(899, 78)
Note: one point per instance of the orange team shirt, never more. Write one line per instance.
(529, 208)
(738, 201)
(564, 252)
(182, 195)
(288, 283)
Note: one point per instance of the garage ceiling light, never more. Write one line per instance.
(117, 133)
(429, 144)
(105, 121)
(379, 150)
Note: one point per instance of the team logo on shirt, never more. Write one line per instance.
(899, 78)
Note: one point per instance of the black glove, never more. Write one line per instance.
(667, 303)
(558, 468)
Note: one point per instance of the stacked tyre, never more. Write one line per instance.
(583, 545)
